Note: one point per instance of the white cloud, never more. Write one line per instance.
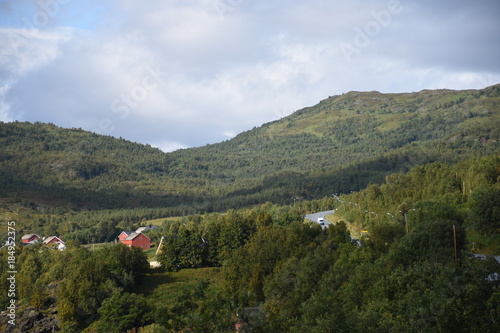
(230, 134)
(222, 74)
(4, 108)
(23, 52)
(168, 146)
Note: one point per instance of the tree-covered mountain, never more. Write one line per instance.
(345, 142)
(339, 145)
(427, 166)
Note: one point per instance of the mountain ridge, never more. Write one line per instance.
(341, 144)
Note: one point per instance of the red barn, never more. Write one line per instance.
(29, 238)
(137, 240)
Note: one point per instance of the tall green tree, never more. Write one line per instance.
(122, 312)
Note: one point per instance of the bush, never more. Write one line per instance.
(122, 312)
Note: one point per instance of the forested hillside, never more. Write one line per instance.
(414, 177)
(269, 270)
(346, 142)
(337, 146)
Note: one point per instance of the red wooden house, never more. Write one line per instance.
(30, 238)
(52, 240)
(56, 241)
(137, 240)
(124, 235)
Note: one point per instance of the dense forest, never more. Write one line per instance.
(273, 272)
(413, 180)
(340, 145)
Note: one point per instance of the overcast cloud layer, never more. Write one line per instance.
(186, 73)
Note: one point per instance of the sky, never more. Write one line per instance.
(179, 74)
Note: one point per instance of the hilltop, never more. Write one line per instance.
(346, 142)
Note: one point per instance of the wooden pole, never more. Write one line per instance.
(455, 244)
(159, 246)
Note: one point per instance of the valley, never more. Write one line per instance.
(414, 177)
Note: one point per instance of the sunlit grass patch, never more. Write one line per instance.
(164, 287)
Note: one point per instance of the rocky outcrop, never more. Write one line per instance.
(32, 320)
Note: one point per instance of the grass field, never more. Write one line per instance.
(354, 228)
(164, 287)
(151, 254)
(97, 246)
(158, 222)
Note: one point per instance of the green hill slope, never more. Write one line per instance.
(345, 142)
(339, 145)
(43, 161)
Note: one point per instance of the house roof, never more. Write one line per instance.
(142, 229)
(134, 236)
(51, 238)
(28, 236)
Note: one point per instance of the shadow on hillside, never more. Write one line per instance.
(153, 280)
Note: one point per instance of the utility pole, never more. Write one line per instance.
(159, 246)
(455, 244)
